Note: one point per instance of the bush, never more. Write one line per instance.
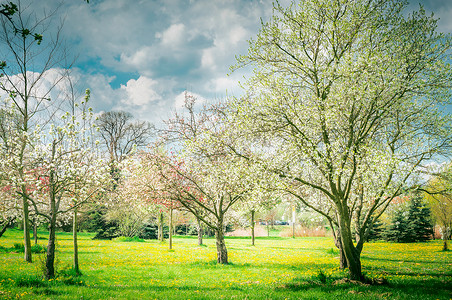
(38, 249)
(186, 229)
(94, 221)
(20, 248)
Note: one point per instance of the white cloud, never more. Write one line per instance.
(141, 56)
(141, 91)
(174, 36)
(47, 90)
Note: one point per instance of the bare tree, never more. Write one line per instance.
(120, 134)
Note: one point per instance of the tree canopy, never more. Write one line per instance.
(344, 105)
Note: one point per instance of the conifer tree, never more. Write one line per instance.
(397, 229)
(411, 223)
(419, 227)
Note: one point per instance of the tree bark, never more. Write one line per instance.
(199, 232)
(268, 228)
(222, 252)
(50, 257)
(171, 229)
(5, 226)
(352, 256)
(445, 237)
(35, 231)
(252, 228)
(445, 248)
(27, 241)
(160, 228)
(74, 235)
(342, 259)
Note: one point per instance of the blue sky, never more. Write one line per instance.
(141, 55)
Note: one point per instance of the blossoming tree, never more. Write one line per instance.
(67, 174)
(345, 95)
(200, 171)
(439, 196)
(32, 65)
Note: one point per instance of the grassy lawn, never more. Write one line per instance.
(276, 268)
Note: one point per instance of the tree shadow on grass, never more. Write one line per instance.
(413, 289)
(398, 260)
(160, 288)
(280, 266)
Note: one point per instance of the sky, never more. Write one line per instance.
(141, 56)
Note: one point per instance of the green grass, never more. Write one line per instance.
(129, 239)
(276, 268)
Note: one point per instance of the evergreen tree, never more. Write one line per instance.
(397, 229)
(420, 225)
(412, 223)
(376, 231)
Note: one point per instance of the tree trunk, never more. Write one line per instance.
(338, 243)
(268, 228)
(74, 235)
(35, 231)
(27, 241)
(252, 227)
(222, 252)
(445, 237)
(5, 226)
(50, 257)
(352, 256)
(160, 228)
(445, 248)
(171, 229)
(199, 232)
(342, 258)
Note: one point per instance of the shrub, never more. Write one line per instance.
(186, 229)
(18, 247)
(38, 249)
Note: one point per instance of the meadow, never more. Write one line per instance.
(275, 268)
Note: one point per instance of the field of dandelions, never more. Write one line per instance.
(275, 268)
